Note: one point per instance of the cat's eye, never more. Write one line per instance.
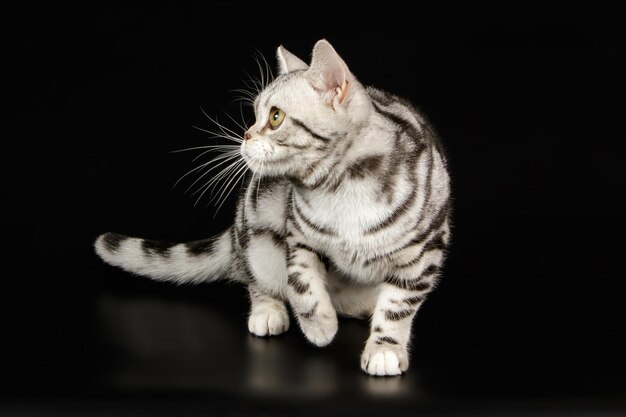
(276, 117)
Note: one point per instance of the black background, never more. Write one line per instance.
(529, 315)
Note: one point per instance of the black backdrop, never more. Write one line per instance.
(528, 316)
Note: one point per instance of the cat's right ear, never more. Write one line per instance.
(288, 62)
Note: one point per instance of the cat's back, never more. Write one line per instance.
(410, 123)
(407, 118)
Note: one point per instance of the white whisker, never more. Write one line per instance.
(256, 59)
(219, 135)
(206, 147)
(207, 186)
(259, 183)
(241, 114)
(246, 93)
(249, 188)
(236, 122)
(268, 69)
(222, 127)
(256, 87)
(230, 190)
(222, 188)
(189, 172)
(224, 173)
(226, 160)
(236, 150)
(201, 166)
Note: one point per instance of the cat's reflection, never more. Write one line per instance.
(160, 343)
(274, 369)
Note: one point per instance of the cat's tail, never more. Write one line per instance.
(193, 262)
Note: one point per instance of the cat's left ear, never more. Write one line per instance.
(329, 74)
(288, 62)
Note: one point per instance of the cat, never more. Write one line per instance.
(351, 214)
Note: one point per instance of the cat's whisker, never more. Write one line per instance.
(204, 153)
(251, 181)
(213, 147)
(243, 100)
(215, 178)
(268, 69)
(226, 155)
(246, 93)
(236, 122)
(201, 166)
(190, 172)
(233, 174)
(225, 160)
(256, 59)
(202, 190)
(219, 135)
(247, 98)
(224, 174)
(234, 149)
(254, 174)
(243, 121)
(259, 182)
(264, 69)
(223, 128)
(259, 82)
(230, 190)
(256, 87)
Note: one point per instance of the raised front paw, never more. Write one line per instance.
(319, 324)
(384, 356)
(268, 321)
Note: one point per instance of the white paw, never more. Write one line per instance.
(384, 359)
(320, 328)
(268, 321)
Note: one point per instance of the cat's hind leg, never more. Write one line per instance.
(268, 314)
(350, 299)
(386, 350)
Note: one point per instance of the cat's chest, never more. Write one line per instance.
(338, 228)
(338, 218)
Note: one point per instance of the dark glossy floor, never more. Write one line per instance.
(121, 344)
(528, 318)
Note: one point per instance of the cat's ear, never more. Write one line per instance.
(329, 74)
(288, 62)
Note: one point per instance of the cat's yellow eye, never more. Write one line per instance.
(276, 117)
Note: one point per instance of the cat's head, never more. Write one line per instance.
(303, 113)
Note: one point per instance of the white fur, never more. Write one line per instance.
(267, 263)
(268, 316)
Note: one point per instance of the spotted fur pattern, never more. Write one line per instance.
(351, 215)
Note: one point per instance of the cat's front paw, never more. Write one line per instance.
(268, 321)
(384, 359)
(319, 325)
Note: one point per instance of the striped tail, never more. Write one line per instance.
(193, 262)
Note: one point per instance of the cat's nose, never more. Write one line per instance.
(247, 136)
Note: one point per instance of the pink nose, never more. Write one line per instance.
(247, 136)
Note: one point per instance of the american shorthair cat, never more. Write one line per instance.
(349, 213)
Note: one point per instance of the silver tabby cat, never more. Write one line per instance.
(350, 217)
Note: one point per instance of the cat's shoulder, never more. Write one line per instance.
(395, 104)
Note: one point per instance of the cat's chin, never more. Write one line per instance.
(279, 167)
